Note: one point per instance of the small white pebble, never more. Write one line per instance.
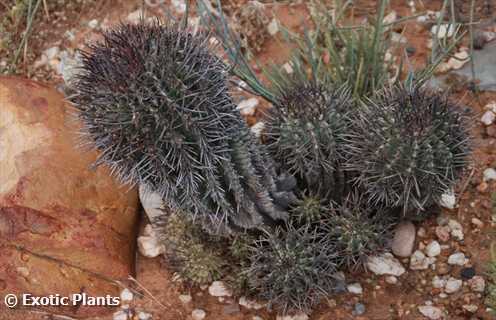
(249, 304)
(179, 5)
(422, 19)
(489, 174)
(298, 316)
(457, 234)
(185, 298)
(219, 289)
(149, 246)
(477, 284)
(120, 315)
(433, 249)
(391, 280)
(454, 225)
(273, 27)
(438, 282)
(418, 261)
(93, 24)
(248, 107)
(385, 264)
(488, 118)
(448, 199)
(421, 232)
(144, 315)
(457, 258)
(390, 17)
(478, 223)
(355, 288)
(126, 295)
(491, 106)
(431, 312)
(453, 285)
(198, 314)
(472, 308)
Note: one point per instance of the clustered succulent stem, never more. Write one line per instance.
(154, 100)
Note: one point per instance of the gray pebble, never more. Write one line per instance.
(359, 309)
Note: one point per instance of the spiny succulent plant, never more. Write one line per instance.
(199, 265)
(357, 229)
(193, 254)
(292, 268)
(408, 146)
(305, 134)
(154, 100)
(239, 259)
(309, 209)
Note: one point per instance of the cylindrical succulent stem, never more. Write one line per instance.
(305, 135)
(154, 100)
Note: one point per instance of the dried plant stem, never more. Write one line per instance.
(471, 44)
(27, 33)
(142, 287)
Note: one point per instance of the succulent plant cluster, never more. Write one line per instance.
(401, 151)
(321, 192)
(154, 100)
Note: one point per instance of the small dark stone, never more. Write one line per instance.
(340, 287)
(410, 50)
(467, 273)
(479, 40)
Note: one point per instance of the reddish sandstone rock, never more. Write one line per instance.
(64, 227)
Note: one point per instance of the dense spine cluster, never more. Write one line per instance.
(408, 146)
(305, 134)
(357, 230)
(155, 102)
(191, 251)
(309, 209)
(292, 268)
